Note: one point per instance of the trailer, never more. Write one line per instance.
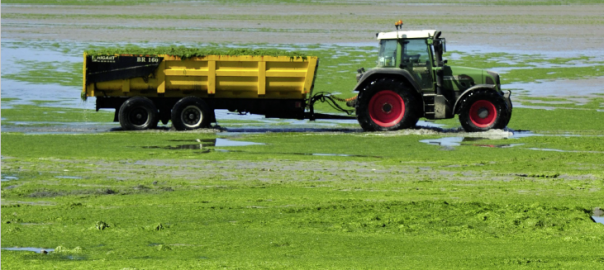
(145, 89)
(411, 80)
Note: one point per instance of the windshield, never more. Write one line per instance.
(387, 56)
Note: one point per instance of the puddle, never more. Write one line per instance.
(225, 142)
(203, 144)
(250, 130)
(259, 122)
(9, 178)
(560, 88)
(446, 141)
(453, 141)
(598, 215)
(450, 143)
(598, 219)
(34, 249)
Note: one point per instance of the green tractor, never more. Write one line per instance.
(412, 80)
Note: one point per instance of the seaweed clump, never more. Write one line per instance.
(186, 52)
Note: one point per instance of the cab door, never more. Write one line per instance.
(417, 59)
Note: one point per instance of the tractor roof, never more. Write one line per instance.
(406, 34)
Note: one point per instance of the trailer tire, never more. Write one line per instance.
(387, 104)
(483, 110)
(191, 113)
(138, 113)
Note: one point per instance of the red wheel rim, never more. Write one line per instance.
(386, 108)
(483, 113)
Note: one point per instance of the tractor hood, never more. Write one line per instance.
(461, 78)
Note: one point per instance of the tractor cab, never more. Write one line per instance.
(411, 64)
(413, 51)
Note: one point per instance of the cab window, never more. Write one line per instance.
(387, 56)
(415, 53)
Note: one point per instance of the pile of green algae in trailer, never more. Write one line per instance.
(185, 52)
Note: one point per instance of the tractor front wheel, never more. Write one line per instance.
(483, 110)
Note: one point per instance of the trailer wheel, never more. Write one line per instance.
(483, 110)
(191, 113)
(138, 113)
(386, 104)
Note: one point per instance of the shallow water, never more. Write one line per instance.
(34, 249)
(560, 88)
(450, 142)
(9, 177)
(13, 56)
(15, 53)
(204, 144)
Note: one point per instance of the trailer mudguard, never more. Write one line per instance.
(375, 73)
(490, 87)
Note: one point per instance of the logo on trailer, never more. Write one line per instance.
(103, 59)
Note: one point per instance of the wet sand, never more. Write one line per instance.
(526, 28)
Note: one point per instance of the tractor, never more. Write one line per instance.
(412, 80)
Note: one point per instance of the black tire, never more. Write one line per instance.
(387, 104)
(509, 113)
(483, 110)
(138, 113)
(191, 113)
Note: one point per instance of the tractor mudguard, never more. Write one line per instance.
(490, 87)
(376, 73)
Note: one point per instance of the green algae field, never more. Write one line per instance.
(254, 193)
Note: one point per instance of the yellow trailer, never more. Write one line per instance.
(147, 89)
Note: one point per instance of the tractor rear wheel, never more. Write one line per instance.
(191, 113)
(483, 110)
(138, 113)
(386, 104)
